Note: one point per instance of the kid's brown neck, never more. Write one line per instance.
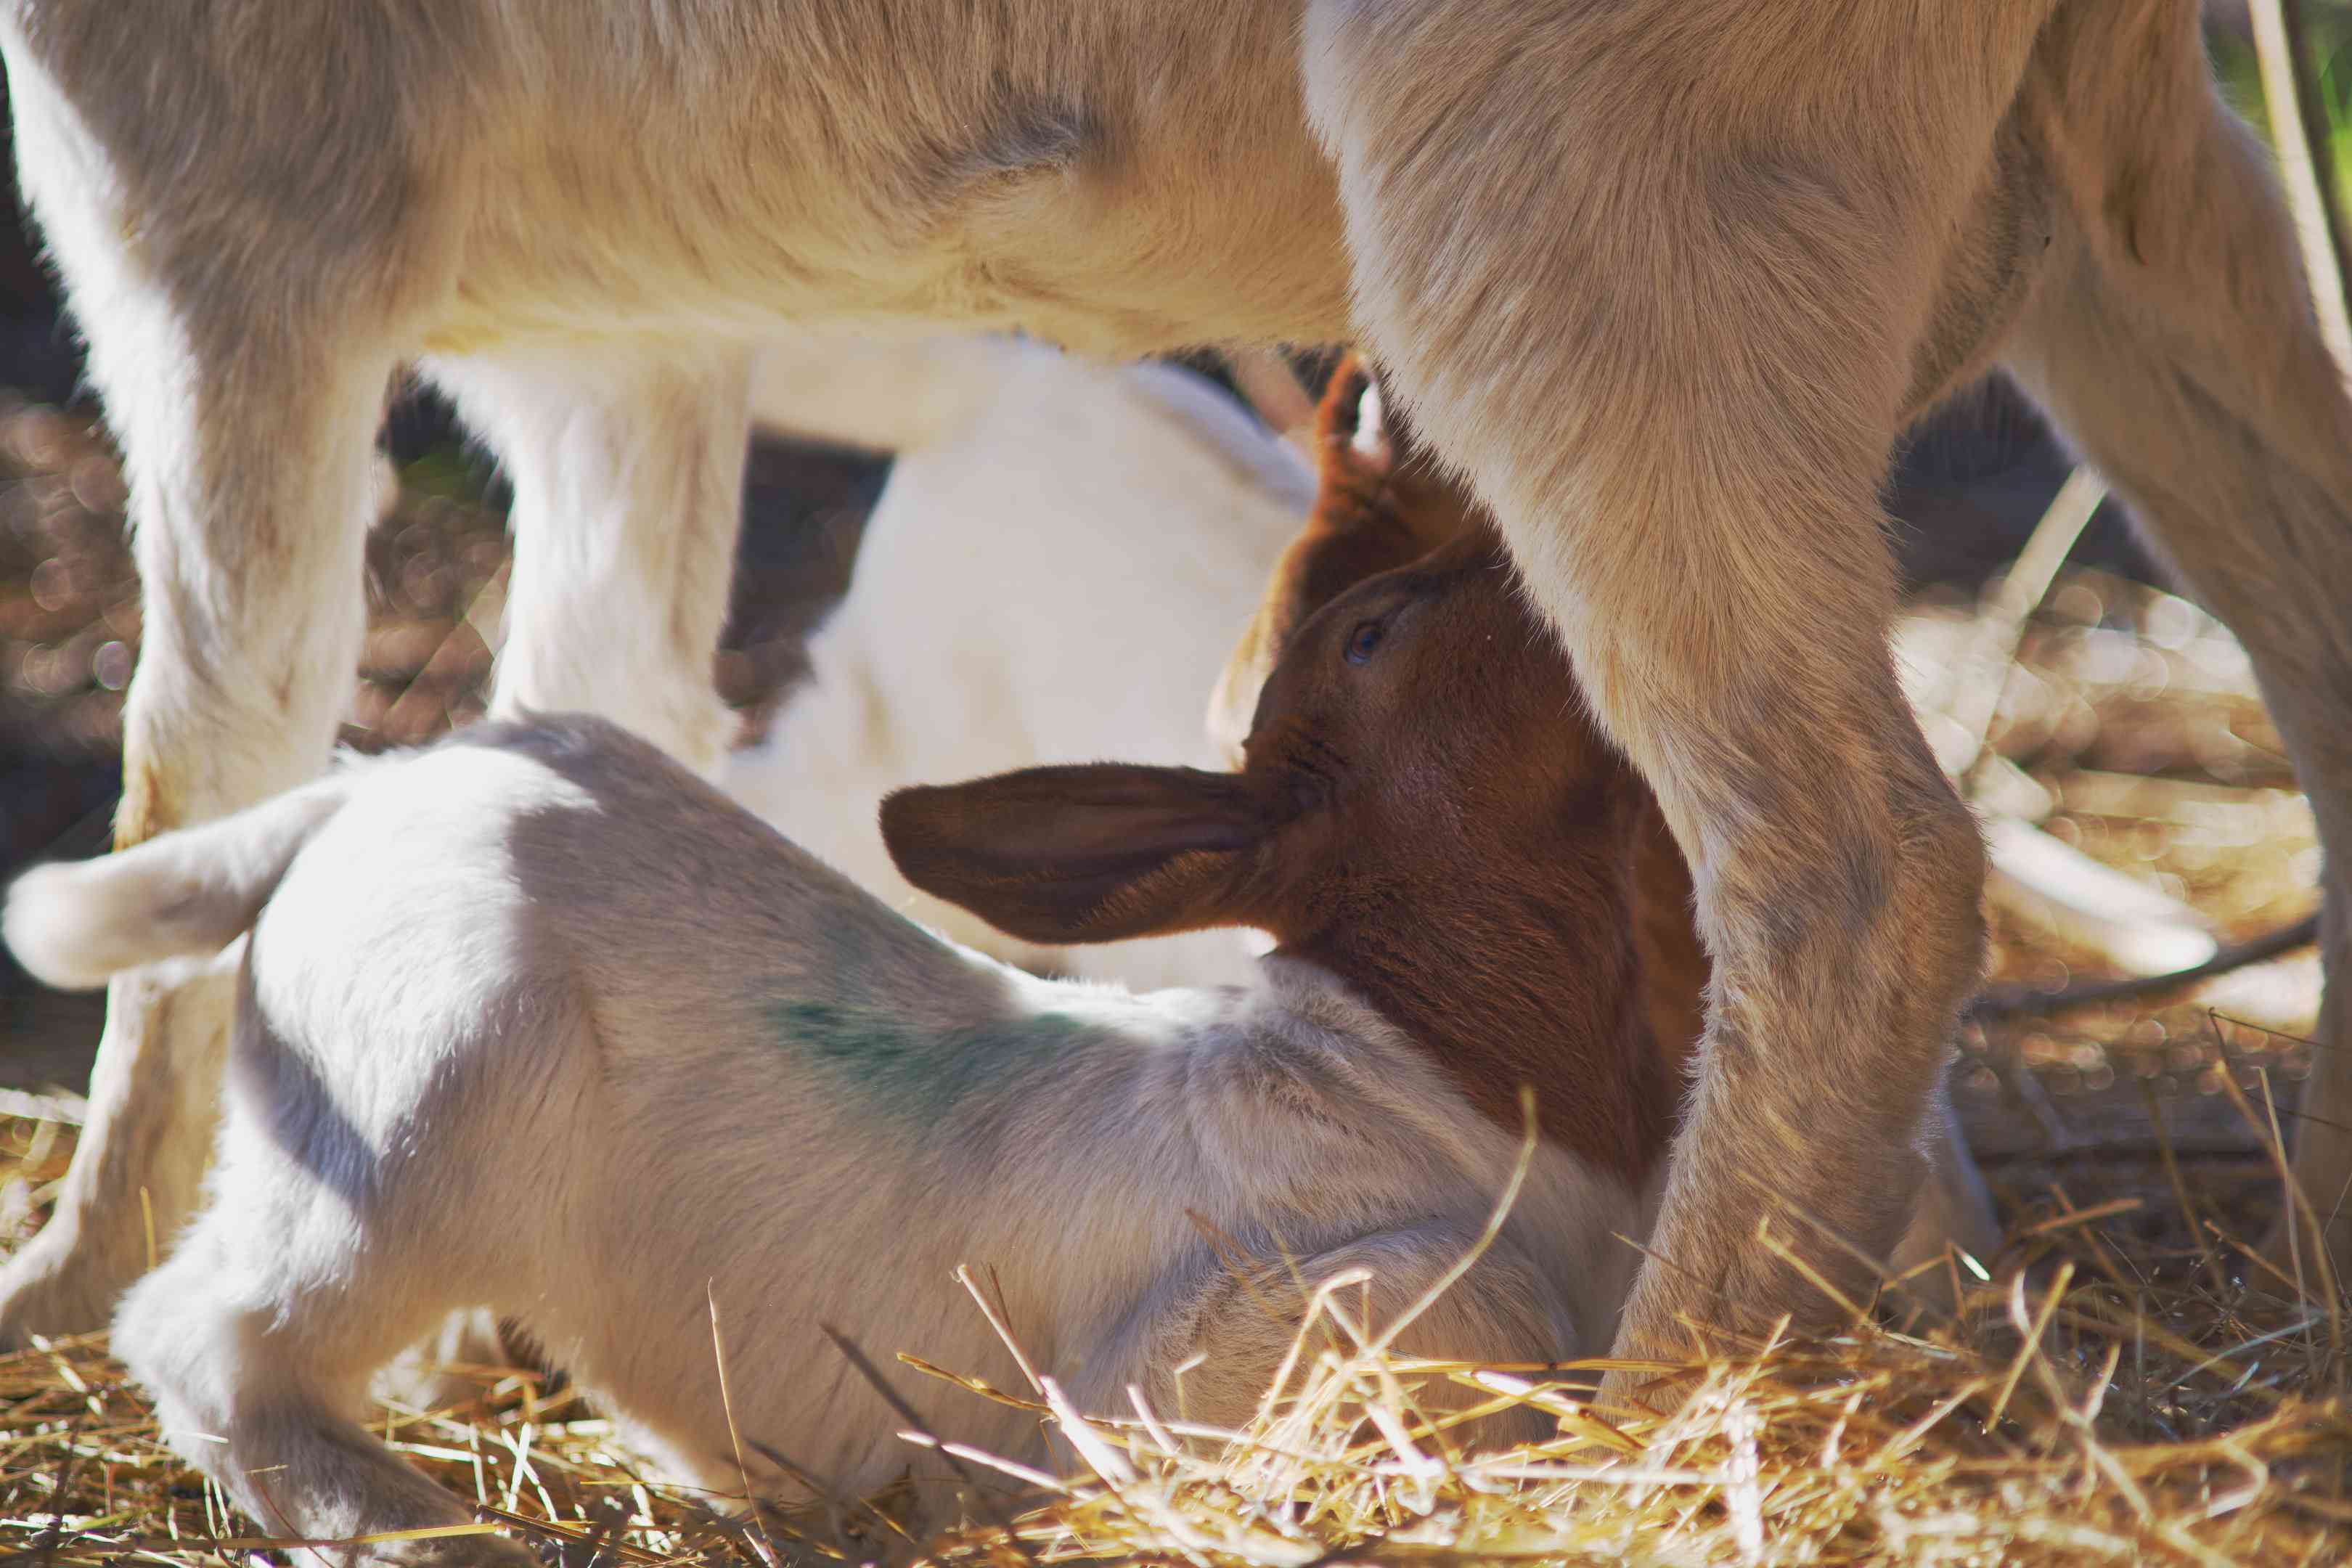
(1525, 978)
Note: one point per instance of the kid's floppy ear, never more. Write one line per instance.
(1379, 504)
(1095, 853)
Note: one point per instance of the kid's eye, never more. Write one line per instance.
(1363, 640)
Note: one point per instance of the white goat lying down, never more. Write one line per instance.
(1054, 573)
(761, 1090)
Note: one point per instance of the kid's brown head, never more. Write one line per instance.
(1380, 503)
(1424, 808)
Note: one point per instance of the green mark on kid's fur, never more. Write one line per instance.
(921, 1072)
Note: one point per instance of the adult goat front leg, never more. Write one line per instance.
(627, 464)
(246, 399)
(2173, 340)
(1657, 278)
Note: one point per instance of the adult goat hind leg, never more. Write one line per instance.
(628, 465)
(1667, 323)
(245, 407)
(2174, 343)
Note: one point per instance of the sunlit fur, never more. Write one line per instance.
(1664, 278)
(1381, 503)
(537, 1021)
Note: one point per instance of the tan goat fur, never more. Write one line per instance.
(1662, 278)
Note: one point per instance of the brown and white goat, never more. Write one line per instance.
(1664, 278)
(769, 1095)
(1053, 574)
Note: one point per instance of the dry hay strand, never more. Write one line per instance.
(2098, 1400)
(2012, 1444)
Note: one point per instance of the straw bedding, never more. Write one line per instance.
(2110, 1402)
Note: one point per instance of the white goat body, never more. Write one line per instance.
(539, 1021)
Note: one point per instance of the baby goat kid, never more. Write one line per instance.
(784, 1106)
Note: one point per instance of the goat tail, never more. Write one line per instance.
(193, 892)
